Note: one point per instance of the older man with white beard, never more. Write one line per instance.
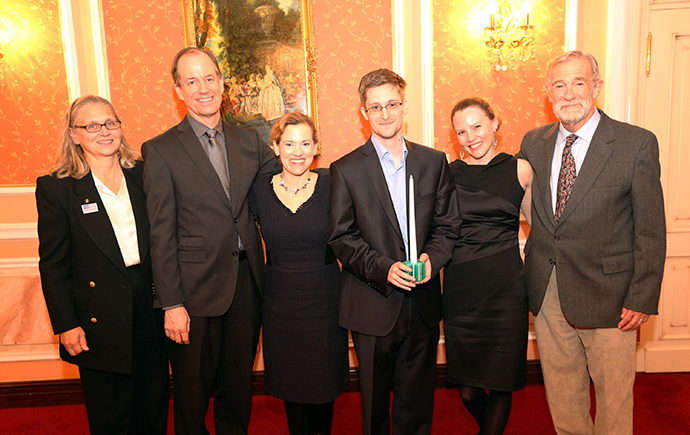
(595, 255)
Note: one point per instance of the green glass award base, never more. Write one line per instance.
(418, 269)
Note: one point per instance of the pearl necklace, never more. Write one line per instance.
(296, 189)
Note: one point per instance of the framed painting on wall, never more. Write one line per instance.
(265, 52)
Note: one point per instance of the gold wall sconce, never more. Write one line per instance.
(509, 36)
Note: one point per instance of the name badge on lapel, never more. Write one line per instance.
(89, 208)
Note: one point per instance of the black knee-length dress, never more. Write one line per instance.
(484, 294)
(305, 351)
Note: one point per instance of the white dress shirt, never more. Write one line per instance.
(119, 209)
(579, 149)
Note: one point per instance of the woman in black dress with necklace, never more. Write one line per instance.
(305, 351)
(484, 299)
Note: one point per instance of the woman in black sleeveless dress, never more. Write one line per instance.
(305, 351)
(484, 299)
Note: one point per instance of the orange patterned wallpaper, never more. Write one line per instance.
(33, 88)
(518, 95)
(352, 37)
(142, 38)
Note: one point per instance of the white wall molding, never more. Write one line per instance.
(571, 16)
(413, 60)
(19, 263)
(83, 40)
(29, 352)
(617, 80)
(18, 232)
(69, 46)
(427, 65)
(17, 190)
(100, 54)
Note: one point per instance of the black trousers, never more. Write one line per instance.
(404, 362)
(136, 403)
(218, 359)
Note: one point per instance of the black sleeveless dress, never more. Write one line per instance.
(305, 351)
(484, 294)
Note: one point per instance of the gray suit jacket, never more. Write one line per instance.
(193, 225)
(609, 247)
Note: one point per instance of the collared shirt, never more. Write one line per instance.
(119, 209)
(397, 186)
(200, 131)
(579, 149)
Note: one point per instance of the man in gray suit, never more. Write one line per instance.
(206, 252)
(595, 255)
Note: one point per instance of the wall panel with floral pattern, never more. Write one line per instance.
(33, 88)
(142, 38)
(352, 37)
(460, 71)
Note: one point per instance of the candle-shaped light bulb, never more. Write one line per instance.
(492, 21)
(527, 19)
(412, 224)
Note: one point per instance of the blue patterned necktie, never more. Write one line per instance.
(567, 176)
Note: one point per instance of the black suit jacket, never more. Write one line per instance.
(83, 274)
(194, 226)
(609, 245)
(366, 237)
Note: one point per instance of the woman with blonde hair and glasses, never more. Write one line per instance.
(96, 273)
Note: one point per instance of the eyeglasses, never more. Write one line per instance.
(393, 105)
(96, 127)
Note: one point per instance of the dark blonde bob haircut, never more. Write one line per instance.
(70, 160)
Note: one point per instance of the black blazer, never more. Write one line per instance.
(83, 274)
(366, 237)
(610, 243)
(193, 225)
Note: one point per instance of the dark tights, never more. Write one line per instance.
(306, 419)
(491, 411)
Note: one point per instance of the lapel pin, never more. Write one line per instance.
(89, 208)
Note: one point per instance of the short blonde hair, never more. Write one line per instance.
(292, 118)
(70, 160)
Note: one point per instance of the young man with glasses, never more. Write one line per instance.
(393, 318)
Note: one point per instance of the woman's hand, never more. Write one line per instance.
(74, 341)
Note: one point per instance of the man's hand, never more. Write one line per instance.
(74, 341)
(177, 325)
(427, 267)
(631, 320)
(399, 276)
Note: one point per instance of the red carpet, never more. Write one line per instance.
(661, 407)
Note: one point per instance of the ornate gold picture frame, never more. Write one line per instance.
(265, 51)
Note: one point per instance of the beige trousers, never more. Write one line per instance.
(570, 356)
